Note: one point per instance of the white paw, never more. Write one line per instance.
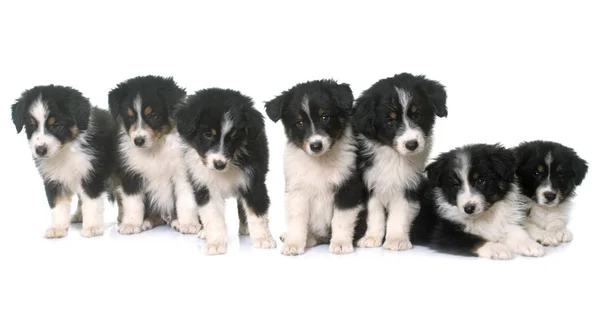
(215, 248)
(563, 235)
(291, 248)
(547, 239)
(341, 247)
(530, 249)
(56, 232)
(92, 231)
(76, 218)
(397, 244)
(264, 242)
(495, 251)
(368, 241)
(130, 229)
(243, 230)
(186, 228)
(201, 234)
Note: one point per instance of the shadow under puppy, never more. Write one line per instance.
(395, 118)
(471, 206)
(548, 174)
(226, 155)
(324, 193)
(72, 144)
(153, 185)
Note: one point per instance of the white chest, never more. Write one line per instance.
(544, 216)
(69, 167)
(496, 222)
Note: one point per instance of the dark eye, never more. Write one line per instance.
(536, 174)
(325, 119)
(153, 116)
(390, 122)
(299, 124)
(208, 135)
(480, 181)
(416, 116)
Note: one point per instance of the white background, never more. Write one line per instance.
(513, 71)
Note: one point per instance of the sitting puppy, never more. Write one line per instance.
(73, 144)
(548, 174)
(226, 155)
(324, 192)
(395, 118)
(475, 204)
(153, 186)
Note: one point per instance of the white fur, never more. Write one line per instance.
(546, 185)
(548, 224)
(309, 197)
(467, 195)
(139, 128)
(410, 131)
(41, 137)
(60, 220)
(92, 210)
(162, 169)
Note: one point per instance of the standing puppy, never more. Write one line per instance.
(548, 174)
(226, 155)
(395, 118)
(324, 192)
(153, 184)
(73, 144)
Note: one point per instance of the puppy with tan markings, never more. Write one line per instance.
(548, 174)
(153, 184)
(226, 155)
(73, 146)
(324, 192)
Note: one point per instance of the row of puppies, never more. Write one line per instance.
(347, 167)
(356, 175)
(162, 156)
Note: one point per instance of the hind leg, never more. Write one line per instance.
(243, 227)
(77, 217)
(151, 221)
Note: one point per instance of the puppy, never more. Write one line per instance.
(395, 119)
(73, 144)
(153, 184)
(475, 204)
(548, 174)
(324, 192)
(226, 155)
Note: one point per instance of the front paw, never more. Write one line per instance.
(530, 249)
(56, 232)
(397, 244)
(264, 242)
(292, 248)
(243, 229)
(563, 236)
(191, 228)
(215, 248)
(547, 239)
(370, 241)
(495, 251)
(92, 231)
(341, 247)
(129, 229)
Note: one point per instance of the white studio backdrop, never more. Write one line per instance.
(514, 71)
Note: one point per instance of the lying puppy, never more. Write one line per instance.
(226, 155)
(324, 192)
(395, 118)
(476, 209)
(153, 185)
(548, 174)
(73, 144)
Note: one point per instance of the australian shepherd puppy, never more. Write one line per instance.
(475, 203)
(395, 119)
(324, 192)
(153, 186)
(226, 155)
(72, 143)
(548, 174)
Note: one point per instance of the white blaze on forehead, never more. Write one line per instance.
(404, 98)
(226, 126)
(466, 193)
(408, 131)
(39, 112)
(137, 106)
(546, 185)
(306, 109)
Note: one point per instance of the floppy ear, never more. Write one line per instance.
(254, 123)
(504, 163)
(82, 114)
(18, 114)
(436, 96)
(364, 116)
(580, 167)
(434, 171)
(274, 107)
(186, 119)
(342, 94)
(115, 97)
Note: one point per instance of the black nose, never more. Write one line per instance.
(41, 150)
(220, 165)
(316, 146)
(550, 196)
(411, 145)
(469, 209)
(139, 141)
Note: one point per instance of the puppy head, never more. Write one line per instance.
(218, 123)
(52, 115)
(548, 172)
(400, 111)
(145, 105)
(473, 177)
(314, 114)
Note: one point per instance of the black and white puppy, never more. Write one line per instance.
(154, 187)
(476, 204)
(72, 143)
(548, 174)
(226, 155)
(395, 118)
(324, 192)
